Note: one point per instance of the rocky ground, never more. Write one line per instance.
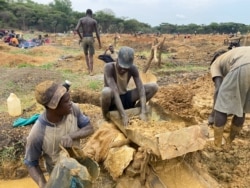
(186, 94)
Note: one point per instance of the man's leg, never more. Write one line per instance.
(87, 62)
(236, 126)
(85, 47)
(220, 120)
(211, 118)
(91, 55)
(150, 91)
(91, 65)
(106, 98)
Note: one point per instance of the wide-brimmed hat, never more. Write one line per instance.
(49, 93)
(125, 57)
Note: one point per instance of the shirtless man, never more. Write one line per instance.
(109, 55)
(88, 25)
(111, 52)
(116, 78)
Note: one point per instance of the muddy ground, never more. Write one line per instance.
(184, 93)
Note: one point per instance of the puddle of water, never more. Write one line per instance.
(26, 182)
(20, 183)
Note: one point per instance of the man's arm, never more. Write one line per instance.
(105, 52)
(77, 29)
(67, 140)
(37, 175)
(217, 83)
(97, 35)
(33, 152)
(83, 132)
(141, 93)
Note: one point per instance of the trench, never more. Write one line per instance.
(173, 173)
(177, 172)
(157, 113)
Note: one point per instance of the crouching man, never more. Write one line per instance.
(115, 95)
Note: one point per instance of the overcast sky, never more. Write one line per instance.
(155, 12)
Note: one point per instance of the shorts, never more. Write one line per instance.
(88, 45)
(126, 100)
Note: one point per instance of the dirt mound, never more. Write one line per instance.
(187, 98)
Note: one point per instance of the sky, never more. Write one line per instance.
(180, 12)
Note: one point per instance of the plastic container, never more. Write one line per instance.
(14, 105)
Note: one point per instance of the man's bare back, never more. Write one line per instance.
(85, 28)
(87, 25)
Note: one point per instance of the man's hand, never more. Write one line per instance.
(211, 119)
(66, 141)
(37, 175)
(80, 41)
(143, 116)
(125, 120)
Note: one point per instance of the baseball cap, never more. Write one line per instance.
(125, 57)
(49, 93)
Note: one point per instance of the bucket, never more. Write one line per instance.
(14, 105)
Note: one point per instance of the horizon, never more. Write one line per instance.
(176, 12)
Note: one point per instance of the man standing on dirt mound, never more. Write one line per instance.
(231, 77)
(62, 123)
(115, 95)
(88, 25)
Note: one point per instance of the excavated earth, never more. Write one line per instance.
(184, 95)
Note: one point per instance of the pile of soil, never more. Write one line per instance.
(184, 94)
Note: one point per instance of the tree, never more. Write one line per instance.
(3, 5)
(108, 12)
(62, 6)
(22, 13)
(6, 17)
(26, 13)
(131, 26)
(104, 20)
(167, 28)
(56, 19)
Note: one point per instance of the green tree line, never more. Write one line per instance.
(58, 16)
